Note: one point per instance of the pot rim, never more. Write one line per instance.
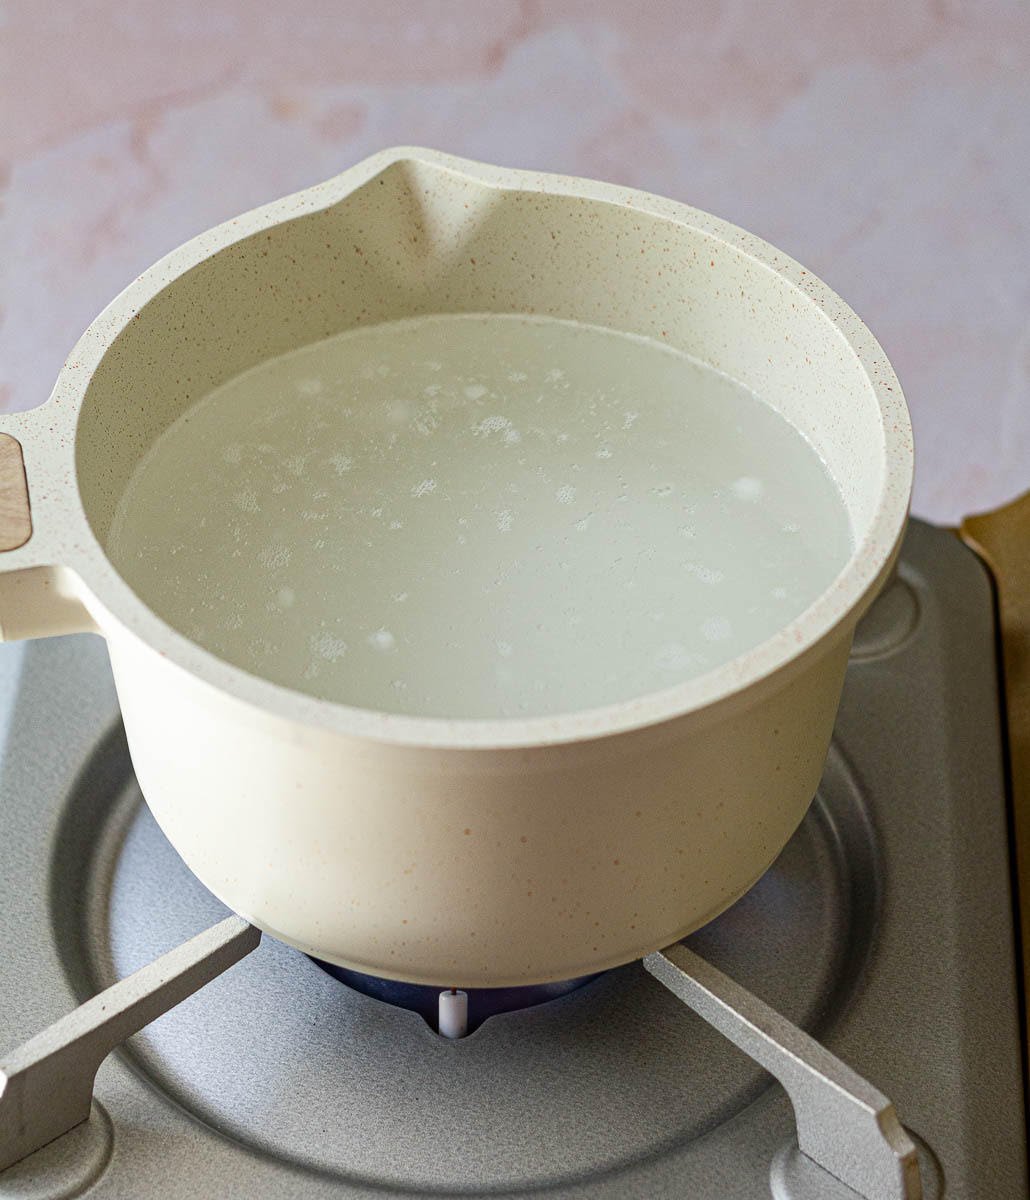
(115, 606)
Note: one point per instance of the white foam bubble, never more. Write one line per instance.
(327, 646)
(275, 556)
(424, 488)
(382, 639)
(246, 500)
(748, 488)
(565, 494)
(705, 574)
(494, 424)
(675, 657)
(716, 629)
(475, 391)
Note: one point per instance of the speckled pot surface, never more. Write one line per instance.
(476, 852)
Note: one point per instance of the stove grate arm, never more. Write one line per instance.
(844, 1124)
(46, 1084)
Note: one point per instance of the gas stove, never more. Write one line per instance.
(884, 938)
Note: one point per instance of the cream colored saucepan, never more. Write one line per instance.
(602, 834)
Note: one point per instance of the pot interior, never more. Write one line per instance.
(421, 239)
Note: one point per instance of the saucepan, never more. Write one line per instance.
(458, 852)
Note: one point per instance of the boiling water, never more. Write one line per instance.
(480, 516)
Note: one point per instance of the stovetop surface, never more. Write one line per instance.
(885, 928)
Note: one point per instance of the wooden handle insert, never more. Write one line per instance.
(15, 515)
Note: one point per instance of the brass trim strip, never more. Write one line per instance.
(1001, 538)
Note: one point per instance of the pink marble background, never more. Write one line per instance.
(885, 144)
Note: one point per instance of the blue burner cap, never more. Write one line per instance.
(424, 998)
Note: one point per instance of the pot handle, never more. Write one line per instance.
(37, 598)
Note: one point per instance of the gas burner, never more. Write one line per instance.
(885, 931)
(434, 1005)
